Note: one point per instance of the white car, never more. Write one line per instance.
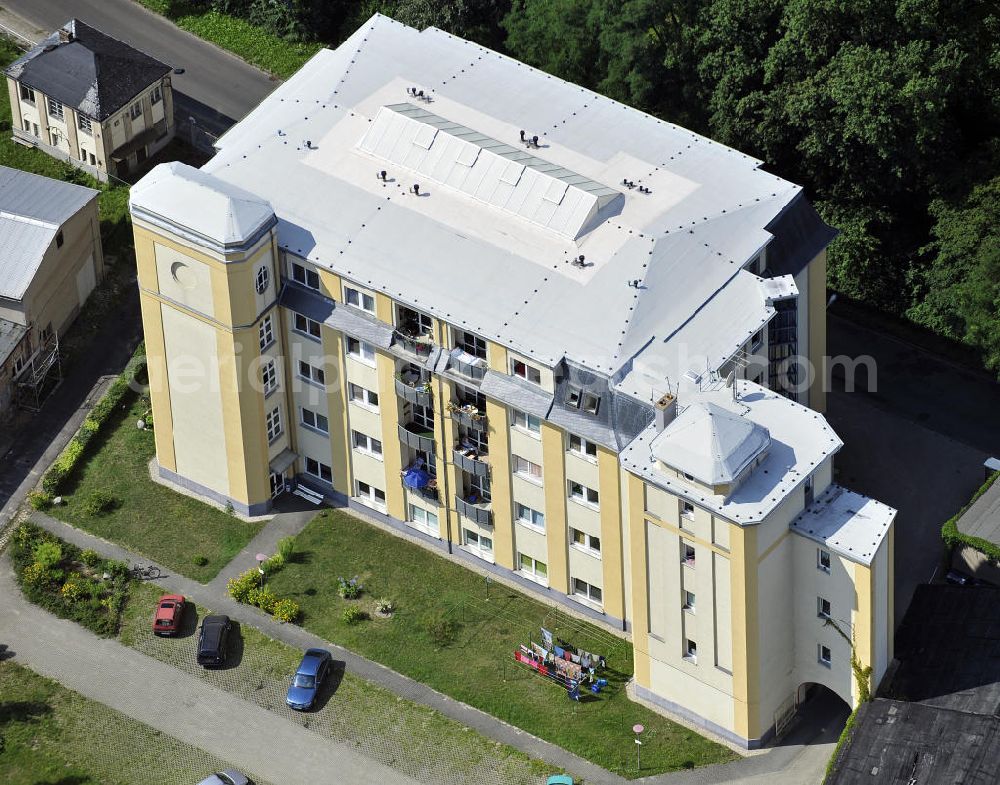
(226, 777)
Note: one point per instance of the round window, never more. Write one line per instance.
(261, 281)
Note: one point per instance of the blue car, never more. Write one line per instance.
(308, 679)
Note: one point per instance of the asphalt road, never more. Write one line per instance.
(216, 87)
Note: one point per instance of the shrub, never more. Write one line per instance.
(286, 549)
(40, 500)
(384, 606)
(286, 610)
(99, 503)
(353, 615)
(90, 558)
(74, 589)
(263, 598)
(201, 561)
(48, 554)
(349, 589)
(116, 569)
(441, 629)
(34, 576)
(272, 565)
(239, 588)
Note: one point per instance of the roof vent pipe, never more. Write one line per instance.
(416, 189)
(534, 141)
(522, 136)
(664, 411)
(380, 175)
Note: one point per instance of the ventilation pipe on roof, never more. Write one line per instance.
(416, 189)
(665, 410)
(309, 144)
(522, 136)
(380, 175)
(534, 142)
(579, 261)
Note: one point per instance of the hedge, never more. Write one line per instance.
(845, 735)
(954, 538)
(70, 457)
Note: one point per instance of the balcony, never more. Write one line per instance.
(419, 346)
(472, 462)
(414, 389)
(468, 415)
(467, 365)
(480, 512)
(417, 436)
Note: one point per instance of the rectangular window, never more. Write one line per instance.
(55, 109)
(305, 276)
(266, 332)
(687, 554)
(269, 376)
(422, 415)
(27, 126)
(525, 421)
(690, 650)
(27, 94)
(135, 110)
(369, 494)
(367, 444)
(424, 519)
(306, 326)
(56, 137)
(823, 559)
(756, 341)
(687, 510)
(315, 420)
(587, 542)
(156, 96)
(363, 396)
(83, 123)
(319, 469)
(591, 403)
(822, 608)
(585, 591)
(582, 447)
(471, 343)
(273, 422)
(533, 568)
(689, 601)
(527, 469)
(530, 517)
(359, 299)
(479, 544)
(525, 371)
(360, 350)
(582, 493)
(824, 654)
(311, 373)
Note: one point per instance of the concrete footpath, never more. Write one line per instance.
(176, 703)
(800, 760)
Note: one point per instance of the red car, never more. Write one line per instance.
(169, 612)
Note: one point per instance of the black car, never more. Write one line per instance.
(213, 639)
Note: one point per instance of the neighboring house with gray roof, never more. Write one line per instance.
(91, 100)
(50, 261)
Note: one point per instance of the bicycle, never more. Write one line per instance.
(141, 573)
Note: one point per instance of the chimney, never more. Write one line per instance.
(665, 410)
(65, 35)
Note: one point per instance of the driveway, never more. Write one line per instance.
(216, 88)
(199, 714)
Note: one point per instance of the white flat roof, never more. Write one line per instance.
(801, 439)
(505, 272)
(846, 522)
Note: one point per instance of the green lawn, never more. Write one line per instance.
(150, 519)
(477, 667)
(257, 46)
(53, 736)
(414, 739)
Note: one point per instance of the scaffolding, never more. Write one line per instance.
(39, 376)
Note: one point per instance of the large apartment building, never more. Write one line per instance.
(534, 328)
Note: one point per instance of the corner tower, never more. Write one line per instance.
(208, 283)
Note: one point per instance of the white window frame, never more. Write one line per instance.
(56, 109)
(823, 560)
(266, 334)
(526, 470)
(525, 422)
(311, 373)
(305, 276)
(756, 341)
(823, 608)
(687, 510)
(314, 421)
(135, 110)
(367, 445)
(691, 650)
(371, 496)
(582, 541)
(155, 96)
(584, 592)
(531, 571)
(272, 422)
(319, 470)
(362, 396)
(359, 350)
(824, 655)
(359, 299)
(582, 494)
(582, 448)
(305, 326)
(84, 124)
(476, 548)
(528, 517)
(27, 94)
(262, 279)
(470, 343)
(526, 371)
(269, 377)
(426, 525)
(685, 547)
(688, 600)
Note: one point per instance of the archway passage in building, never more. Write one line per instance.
(818, 709)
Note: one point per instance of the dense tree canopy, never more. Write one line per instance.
(887, 111)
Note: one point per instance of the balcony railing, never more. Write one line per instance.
(468, 365)
(419, 346)
(429, 491)
(480, 512)
(417, 436)
(468, 415)
(477, 466)
(418, 392)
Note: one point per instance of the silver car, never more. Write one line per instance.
(226, 777)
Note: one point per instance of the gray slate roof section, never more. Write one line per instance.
(10, 336)
(340, 317)
(93, 73)
(982, 519)
(517, 393)
(598, 427)
(799, 234)
(32, 209)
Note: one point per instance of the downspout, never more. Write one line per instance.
(443, 462)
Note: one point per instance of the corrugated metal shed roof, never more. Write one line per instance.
(32, 209)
